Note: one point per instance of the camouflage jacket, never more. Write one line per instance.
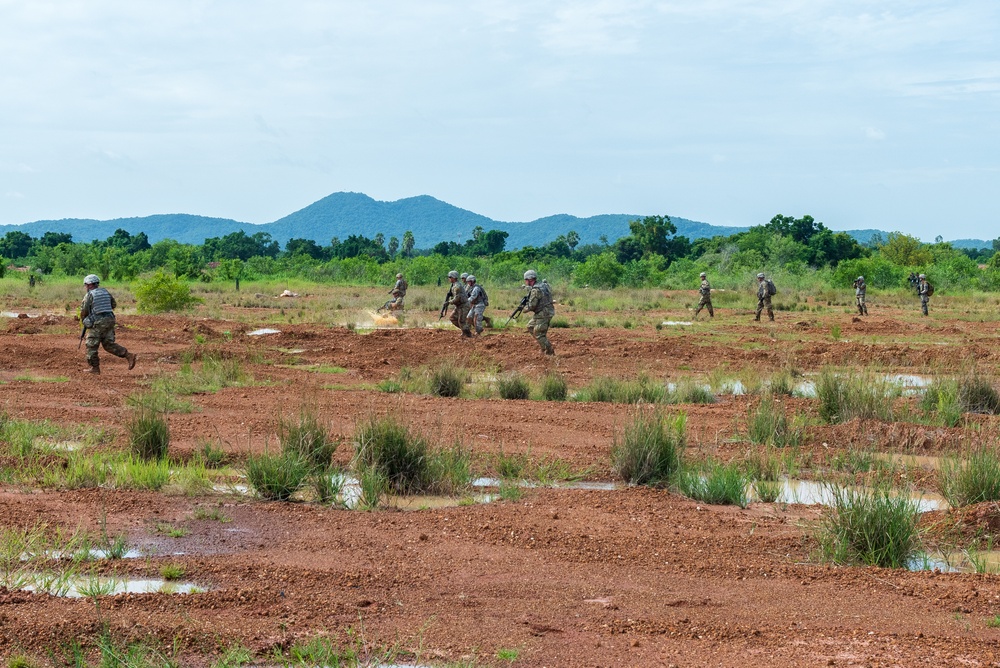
(457, 295)
(96, 302)
(705, 290)
(540, 300)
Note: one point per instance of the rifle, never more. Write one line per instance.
(444, 307)
(82, 334)
(517, 311)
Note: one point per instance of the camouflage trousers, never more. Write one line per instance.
(704, 302)
(924, 300)
(862, 306)
(476, 316)
(538, 327)
(765, 303)
(102, 333)
(460, 317)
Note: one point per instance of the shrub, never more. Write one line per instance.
(276, 477)
(975, 480)
(447, 381)
(871, 526)
(386, 445)
(977, 395)
(449, 471)
(163, 292)
(649, 450)
(513, 386)
(554, 387)
(307, 438)
(689, 392)
(148, 433)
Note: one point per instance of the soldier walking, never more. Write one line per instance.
(458, 298)
(542, 308)
(478, 301)
(98, 316)
(764, 291)
(859, 294)
(925, 291)
(706, 296)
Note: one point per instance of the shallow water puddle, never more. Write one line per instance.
(599, 486)
(264, 332)
(82, 586)
(811, 493)
(675, 323)
(911, 461)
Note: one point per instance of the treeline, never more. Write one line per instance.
(798, 251)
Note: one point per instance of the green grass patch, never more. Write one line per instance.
(513, 386)
(448, 380)
(768, 424)
(843, 397)
(308, 438)
(714, 482)
(391, 448)
(554, 387)
(28, 378)
(276, 477)
(872, 526)
(975, 478)
(147, 431)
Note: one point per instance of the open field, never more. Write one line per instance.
(552, 573)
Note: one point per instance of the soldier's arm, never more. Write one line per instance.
(114, 304)
(85, 306)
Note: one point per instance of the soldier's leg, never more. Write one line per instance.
(711, 312)
(477, 318)
(464, 320)
(923, 304)
(92, 344)
(760, 307)
(539, 330)
(107, 334)
(456, 317)
(770, 309)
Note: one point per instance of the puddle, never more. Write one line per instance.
(81, 587)
(675, 323)
(912, 461)
(810, 493)
(599, 486)
(88, 555)
(231, 488)
(264, 332)
(12, 314)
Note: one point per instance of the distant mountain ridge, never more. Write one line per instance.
(343, 214)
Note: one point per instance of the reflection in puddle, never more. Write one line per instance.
(578, 484)
(59, 584)
(263, 332)
(88, 555)
(809, 493)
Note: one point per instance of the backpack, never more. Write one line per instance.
(771, 290)
(930, 290)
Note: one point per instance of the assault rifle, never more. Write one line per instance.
(517, 311)
(82, 334)
(444, 307)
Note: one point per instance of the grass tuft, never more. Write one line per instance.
(864, 396)
(147, 430)
(715, 483)
(448, 380)
(872, 526)
(389, 447)
(974, 480)
(554, 387)
(307, 438)
(513, 386)
(276, 477)
(649, 449)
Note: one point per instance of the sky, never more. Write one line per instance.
(860, 113)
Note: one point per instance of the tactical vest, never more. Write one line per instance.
(479, 296)
(546, 300)
(100, 302)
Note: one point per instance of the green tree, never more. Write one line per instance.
(163, 292)
(16, 244)
(599, 271)
(652, 233)
(393, 246)
(905, 251)
(408, 243)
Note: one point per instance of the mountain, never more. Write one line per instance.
(343, 214)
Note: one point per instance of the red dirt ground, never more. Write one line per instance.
(630, 577)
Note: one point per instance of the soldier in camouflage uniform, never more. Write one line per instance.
(542, 308)
(924, 290)
(706, 296)
(860, 290)
(458, 298)
(398, 292)
(97, 314)
(763, 298)
(478, 301)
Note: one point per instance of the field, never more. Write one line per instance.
(552, 560)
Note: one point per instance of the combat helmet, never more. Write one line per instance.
(91, 279)
(470, 279)
(531, 273)
(452, 274)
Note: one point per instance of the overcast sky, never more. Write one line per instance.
(859, 113)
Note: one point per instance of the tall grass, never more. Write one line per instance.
(974, 479)
(649, 449)
(513, 386)
(941, 400)
(768, 424)
(447, 380)
(147, 430)
(715, 483)
(554, 387)
(612, 390)
(277, 476)
(843, 397)
(388, 446)
(307, 437)
(872, 526)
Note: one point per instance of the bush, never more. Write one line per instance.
(148, 432)
(276, 477)
(649, 450)
(871, 526)
(163, 292)
(977, 395)
(513, 386)
(307, 438)
(975, 480)
(554, 387)
(386, 445)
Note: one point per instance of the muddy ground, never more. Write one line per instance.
(561, 577)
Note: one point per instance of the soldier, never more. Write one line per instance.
(97, 314)
(925, 291)
(764, 292)
(542, 308)
(464, 277)
(706, 296)
(458, 298)
(478, 301)
(398, 292)
(859, 294)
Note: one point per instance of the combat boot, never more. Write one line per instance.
(95, 368)
(131, 360)
(466, 333)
